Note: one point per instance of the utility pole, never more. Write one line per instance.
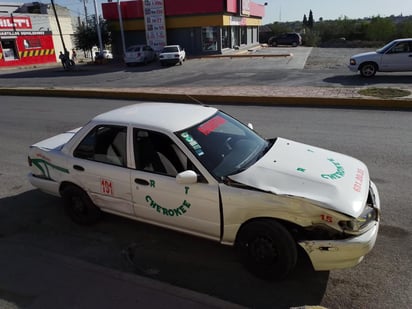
(60, 29)
(85, 11)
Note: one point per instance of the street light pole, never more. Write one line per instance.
(99, 33)
(119, 12)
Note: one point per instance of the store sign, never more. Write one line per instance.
(245, 7)
(18, 22)
(154, 18)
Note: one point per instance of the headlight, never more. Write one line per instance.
(356, 225)
(352, 62)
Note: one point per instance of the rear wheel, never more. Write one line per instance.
(79, 206)
(267, 249)
(368, 69)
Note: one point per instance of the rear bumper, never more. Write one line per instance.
(170, 61)
(46, 185)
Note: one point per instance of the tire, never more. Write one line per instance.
(266, 249)
(79, 206)
(294, 44)
(368, 69)
(274, 44)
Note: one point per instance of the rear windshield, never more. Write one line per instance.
(170, 49)
(134, 49)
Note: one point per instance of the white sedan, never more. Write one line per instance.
(172, 54)
(197, 170)
(139, 54)
(395, 56)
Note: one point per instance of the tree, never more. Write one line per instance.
(381, 29)
(86, 35)
(310, 20)
(305, 21)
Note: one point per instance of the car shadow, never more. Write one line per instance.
(37, 219)
(358, 80)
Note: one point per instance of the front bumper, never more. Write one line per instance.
(334, 254)
(353, 68)
(345, 253)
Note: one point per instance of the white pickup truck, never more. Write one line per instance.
(197, 170)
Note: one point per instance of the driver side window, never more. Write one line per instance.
(157, 153)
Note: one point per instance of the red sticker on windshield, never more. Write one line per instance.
(211, 125)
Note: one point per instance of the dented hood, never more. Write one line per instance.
(334, 180)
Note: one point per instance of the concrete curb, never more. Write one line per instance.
(125, 94)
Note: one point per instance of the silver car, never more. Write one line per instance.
(139, 54)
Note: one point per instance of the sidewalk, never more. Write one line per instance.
(245, 95)
(36, 279)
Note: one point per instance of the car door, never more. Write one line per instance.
(398, 58)
(157, 196)
(99, 165)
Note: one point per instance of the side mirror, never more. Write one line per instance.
(186, 178)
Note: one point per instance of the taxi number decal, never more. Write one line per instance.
(106, 187)
(326, 218)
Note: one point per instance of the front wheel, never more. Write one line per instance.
(267, 249)
(79, 206)
(368, 69)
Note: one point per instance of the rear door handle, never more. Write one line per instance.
(78, 168)
(142, 182)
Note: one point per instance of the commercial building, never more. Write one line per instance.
(201, 27)
(29, 33)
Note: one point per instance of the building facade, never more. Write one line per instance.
(29, 34)
(201, 27)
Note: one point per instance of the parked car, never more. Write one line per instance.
(139, 54)
(107, 54)
(395, 56)
(172, 54)
(291, 38)
(197, 170)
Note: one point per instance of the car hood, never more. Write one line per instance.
(331, 179)
(370, 55)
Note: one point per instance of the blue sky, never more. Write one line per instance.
(290, 10)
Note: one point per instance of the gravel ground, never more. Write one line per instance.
(331, 58)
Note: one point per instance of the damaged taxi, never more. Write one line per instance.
(197, 170)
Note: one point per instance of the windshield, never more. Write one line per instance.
(385, 48)
(224, 145)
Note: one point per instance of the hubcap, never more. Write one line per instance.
(263, 250)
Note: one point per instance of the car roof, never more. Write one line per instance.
(165, 117)
(403, 40)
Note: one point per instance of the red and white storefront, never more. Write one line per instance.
(21, 45)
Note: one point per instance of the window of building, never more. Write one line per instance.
(9, 49)
(225, 37)
(243, 35)
(209, 38)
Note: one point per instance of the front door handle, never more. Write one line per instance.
(78, 168)
(142, 182)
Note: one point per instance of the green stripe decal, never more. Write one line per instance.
(45, 170)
